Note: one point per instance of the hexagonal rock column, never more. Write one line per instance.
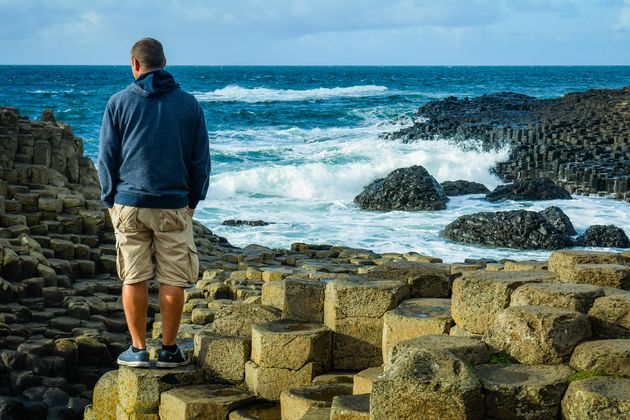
(610, 316)
(611, 275)
(523, 392)
(210, 402)
(538, 334)
(139, 390)
(478, 296)
(424, 279)
(574, 297)
(560, 260)
(290, 350)
(597, 398)
(603, 356)
(295, 403)
(269, 382)
(363, 381)
(105, 396)
(222, 357)
(261, 410)
(525, 265)
(472, 351)
(350, 407)
(590, 267)
(298, 299)
(426, 384)
(237, 320)
(353, 309)
(414, 318)
(291, 344)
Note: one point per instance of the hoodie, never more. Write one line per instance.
(153, 149)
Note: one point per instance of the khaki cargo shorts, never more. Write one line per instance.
(155, 244)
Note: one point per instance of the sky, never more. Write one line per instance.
(319, 32)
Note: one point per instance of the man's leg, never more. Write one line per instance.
(135, 302)
(171, 306)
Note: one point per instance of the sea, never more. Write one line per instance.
(294, 145)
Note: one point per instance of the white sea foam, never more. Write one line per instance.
(235, 93)
(335, 164)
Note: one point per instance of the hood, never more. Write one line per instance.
(154, 83)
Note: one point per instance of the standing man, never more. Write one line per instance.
(153, 165)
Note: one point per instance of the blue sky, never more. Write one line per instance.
(325, 32)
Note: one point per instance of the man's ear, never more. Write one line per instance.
(164, 63)
(135, 64)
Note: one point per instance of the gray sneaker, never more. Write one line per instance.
(167, 359)
(134, 359)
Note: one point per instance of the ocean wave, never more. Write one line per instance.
(337, 170)
(235, 93)
(49, 92)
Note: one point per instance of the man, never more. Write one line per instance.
(153, 165)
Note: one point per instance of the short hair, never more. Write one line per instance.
(149, 52)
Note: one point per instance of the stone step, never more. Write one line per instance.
(350, 407)
(296, 403)
(520, 391)
(538, 334)
(207, 401)
(414, 318)
(611, 357)
(597, 398)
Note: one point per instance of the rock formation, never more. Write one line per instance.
(406, 189)
(461, 187)
(520, 229)
(269, 328)
(580, 141)
(529, 190)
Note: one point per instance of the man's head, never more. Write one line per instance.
(146, 55)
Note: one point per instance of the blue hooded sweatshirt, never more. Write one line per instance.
(153, 149)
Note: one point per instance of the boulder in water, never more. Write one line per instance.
(239, 223)
(406, 189)
(559, 220)
(529, 189)
(604, 236)
(462, 187)
(520, 229)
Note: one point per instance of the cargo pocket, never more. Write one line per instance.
(120, 263)
(194, 263)
(172, 219)
(126, 219)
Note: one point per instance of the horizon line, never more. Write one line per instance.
(328, 65)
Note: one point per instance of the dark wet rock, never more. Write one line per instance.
(604, 236)
(559, 220)
(238, 223)
(529, 190)
(520, 229)
(48, 115)
(406, 189)
(462, 187)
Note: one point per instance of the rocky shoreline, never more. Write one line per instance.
(581, 141)
(315, 331)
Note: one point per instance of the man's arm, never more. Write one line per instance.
(200, 163)
(108, 158)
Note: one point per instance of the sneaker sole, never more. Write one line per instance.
(133, 364)
(172, 364)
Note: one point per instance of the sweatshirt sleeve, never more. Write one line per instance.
(200, 163)
(108, 157)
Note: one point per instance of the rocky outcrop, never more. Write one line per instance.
(559, 220)
(604, 236)
(578, 140)
(529, 190)
(239, 223)
(461, 187)
(520, 229)
(406, 189)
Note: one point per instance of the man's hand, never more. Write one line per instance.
(190, 211)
